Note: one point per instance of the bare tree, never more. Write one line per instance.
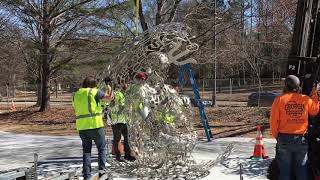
(56, 32)
(49, 25)
(160, 11)
(11, 69)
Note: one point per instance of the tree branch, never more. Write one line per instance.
(69, 8)
(59, 65)
(51, 9)
(143, 22)
(174, 9)
(159, 10)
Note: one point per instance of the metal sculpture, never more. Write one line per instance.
(161, 132)
(153, 50)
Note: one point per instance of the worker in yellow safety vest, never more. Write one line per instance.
(89, 123)
(137, 101)
(106, 104)
(119, 124)
(166, 117)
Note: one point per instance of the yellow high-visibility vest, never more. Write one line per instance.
(88, 111)
(117, 114)
(166, 117)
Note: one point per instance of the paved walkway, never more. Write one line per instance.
(58, 152)
(230, 168)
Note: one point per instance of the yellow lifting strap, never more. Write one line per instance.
(137, 16)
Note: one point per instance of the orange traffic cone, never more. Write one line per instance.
(259, 152)
(13, 107)
(120, 148)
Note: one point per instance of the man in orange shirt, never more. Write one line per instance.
(289, 123)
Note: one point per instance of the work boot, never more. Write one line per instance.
(119, 159)
(103, 175)
(85, 178)
(130, 158)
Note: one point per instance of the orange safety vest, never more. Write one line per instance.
(289, 113)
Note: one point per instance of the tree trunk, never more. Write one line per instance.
(56, 87)
(244, 73)
(159, 10)
(45, 56)
(38, 92)
(143, 22)
(260, 87)
(239, 75)
(14, 84)
(45, 100)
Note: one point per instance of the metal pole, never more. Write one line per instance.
(56, 88)
(35, 164)
(8, 97)
(25, 94)
(203, 87)
(215, 54)
(241, 167)
(230, 91)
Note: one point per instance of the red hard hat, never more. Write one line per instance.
(141, 76)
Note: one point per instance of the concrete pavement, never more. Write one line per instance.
(230, 168)
(62, 153)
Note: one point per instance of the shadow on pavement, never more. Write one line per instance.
(251, 168)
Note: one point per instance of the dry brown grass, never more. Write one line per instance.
(224, 121)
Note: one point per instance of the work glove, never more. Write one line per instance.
(107, 80)
(144, 112)
(307, 76)
(315, 88)
(112, 103)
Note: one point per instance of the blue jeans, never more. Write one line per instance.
(118, 130)
(292, 156)
(98, 136)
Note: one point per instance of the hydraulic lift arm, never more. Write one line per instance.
(303, 61)
(304, 56)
